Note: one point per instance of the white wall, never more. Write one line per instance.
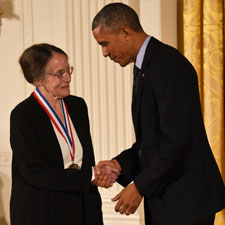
(105, 86)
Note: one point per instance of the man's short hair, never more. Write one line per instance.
(112, 16)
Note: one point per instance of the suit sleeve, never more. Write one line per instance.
(128, 160)
(29, 162)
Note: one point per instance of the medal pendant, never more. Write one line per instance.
(74, 166)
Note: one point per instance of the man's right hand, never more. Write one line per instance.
(106, 173)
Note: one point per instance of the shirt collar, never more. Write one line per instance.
(141, 53)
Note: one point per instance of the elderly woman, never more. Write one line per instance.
(52, 148)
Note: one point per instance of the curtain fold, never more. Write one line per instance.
(203, 35)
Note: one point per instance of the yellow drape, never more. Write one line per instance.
(0, 17)
(203, 34)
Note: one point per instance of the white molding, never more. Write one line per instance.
(5, 159)
(27, 35)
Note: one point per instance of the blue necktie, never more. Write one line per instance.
(136, 78)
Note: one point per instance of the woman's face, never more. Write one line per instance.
(56, 82)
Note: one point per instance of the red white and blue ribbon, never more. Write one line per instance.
(64, 130)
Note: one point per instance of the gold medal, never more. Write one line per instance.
(74, 166)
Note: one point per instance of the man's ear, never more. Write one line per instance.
(126, 32)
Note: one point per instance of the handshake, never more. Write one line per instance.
(106, 173)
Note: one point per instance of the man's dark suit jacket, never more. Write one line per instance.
(43, 192)
(171, 162)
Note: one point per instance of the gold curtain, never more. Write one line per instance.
(203, 38)
(0, 17)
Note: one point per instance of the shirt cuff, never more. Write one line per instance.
(93, 174)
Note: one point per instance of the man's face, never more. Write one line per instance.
(114, 45)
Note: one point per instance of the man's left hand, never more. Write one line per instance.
(128, 200)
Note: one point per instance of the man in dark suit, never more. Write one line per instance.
(171, 164)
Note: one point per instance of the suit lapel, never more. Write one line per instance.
(48, 136)
(145, 66)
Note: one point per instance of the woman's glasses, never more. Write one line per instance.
(60, 74)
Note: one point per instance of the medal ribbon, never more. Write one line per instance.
(66, 130)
